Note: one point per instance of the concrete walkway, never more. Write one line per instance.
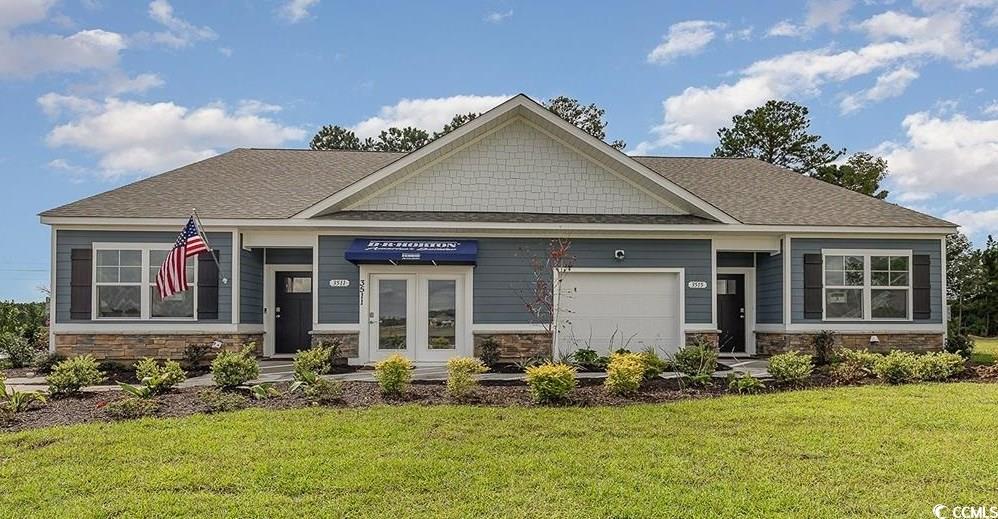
(283, 371)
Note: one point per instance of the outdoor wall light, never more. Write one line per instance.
(619, 254)
(874, 340)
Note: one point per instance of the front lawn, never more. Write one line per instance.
(985, 350)
(861, 451)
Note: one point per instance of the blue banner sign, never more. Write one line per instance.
(412, 251)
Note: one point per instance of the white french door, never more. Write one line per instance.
(393, 327)
(420, 312)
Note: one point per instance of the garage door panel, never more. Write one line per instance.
(642, 308)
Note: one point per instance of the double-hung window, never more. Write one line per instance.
(125, 284)
(867, 285)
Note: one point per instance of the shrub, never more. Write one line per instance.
(865, 359)
(550, 382)
(71, 375)
(216, 401)
(18, 350)
(744, 383)
(131, 408)
(393, 374)
(318, 359)
(461, 373)
(897, 367)
(231, 369)
(195, 354)
(961, 344)
(143, 392)
(488, 351)
(939, 366)
(264, 391)
(45, 361)
(18, 401)
(823, 344)
(159, 378)
(624, 373)
(792, 367)
(848, 372)
(585, 358)
(654, 365)
(697, 360)
(321, 390)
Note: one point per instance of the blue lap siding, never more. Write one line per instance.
(67, 240)
(801, 246)
(502, 277)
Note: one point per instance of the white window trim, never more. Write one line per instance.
(867, 286)
(145, 301)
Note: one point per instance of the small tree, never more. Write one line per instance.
(539, 298)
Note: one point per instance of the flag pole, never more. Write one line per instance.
(200, 226)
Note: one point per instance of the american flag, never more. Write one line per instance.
(172, 277)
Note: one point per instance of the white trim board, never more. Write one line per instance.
(165, 328)
(853, 328)
(171, 224)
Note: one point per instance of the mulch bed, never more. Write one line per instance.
(185, 402)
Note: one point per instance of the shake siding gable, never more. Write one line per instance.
(517, 169)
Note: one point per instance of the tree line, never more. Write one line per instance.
(972, 286)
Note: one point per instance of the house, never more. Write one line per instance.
(431, 252)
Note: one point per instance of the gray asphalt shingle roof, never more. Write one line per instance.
(270, 183)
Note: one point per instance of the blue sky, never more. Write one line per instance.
(98, 93)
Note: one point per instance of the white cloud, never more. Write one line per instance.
(15, 13)
(891, 84)
(54, 104)
(225, 51)
(684, 39)
(991, 109)
(740, 34)
(785, 28)
(975, 223)
(295, 11)
(827, 13)
(180, 33)
(914, 196)
(497, 17)
(899, 42)
(954, 155)
(256, 107)
(427, 114)
(130, 137)
(32, 54)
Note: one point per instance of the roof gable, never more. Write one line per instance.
(518, 168)
(595, 150)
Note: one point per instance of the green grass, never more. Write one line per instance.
(869, 451)
(985, 350)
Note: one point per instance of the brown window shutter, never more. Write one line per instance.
(813, 278)
(81, 283)
(207, 286)
(921, 305)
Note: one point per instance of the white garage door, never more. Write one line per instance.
(608, 310)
